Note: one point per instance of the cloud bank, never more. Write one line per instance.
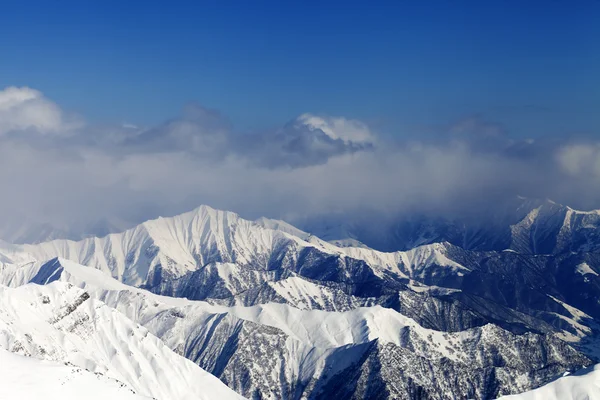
(56, 169)
(26, 109)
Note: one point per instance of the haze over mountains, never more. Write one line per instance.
(332, 176)
(473, 311)
(296, 201)
(513, 225)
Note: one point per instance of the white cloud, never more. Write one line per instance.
(25, 109)
(316, 168)
(349, 130)
(580, 159)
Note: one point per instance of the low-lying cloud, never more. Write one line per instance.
(55, 169)
(26, 109)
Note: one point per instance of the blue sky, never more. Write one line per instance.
(400, 66)
(321, 107)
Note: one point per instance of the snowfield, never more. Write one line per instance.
(28, 378)
(310, 339)
(182, 244)
(583, 385)
(61, 323)
(208, 305)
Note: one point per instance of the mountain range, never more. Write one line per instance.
(461, 308)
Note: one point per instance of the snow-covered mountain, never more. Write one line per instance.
(276, 312)
(62, 323)
(28, 378)
(522, 224)
(584, 384)
(219, 257)
(525, 225)
(317, 350)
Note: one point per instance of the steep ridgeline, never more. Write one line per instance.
(230, 262)
(218, 257)
(281, 352)
(524, 225)
(61, 323)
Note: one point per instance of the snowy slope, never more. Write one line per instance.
(408, 264)
(313, 327)
(214, 255)
(553, 228)
(306, 295)
(583, 385)
(28, 378)
(178, 245)
(217, 256)
(60, 322)
(268, 347)
(283, 226)
(288, 314)
(13, 254)
(185, 243)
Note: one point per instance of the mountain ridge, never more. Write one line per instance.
(271, 295)
(316, 338)
(59, 322)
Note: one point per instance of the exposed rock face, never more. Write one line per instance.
(279, 351)
(275, 312)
